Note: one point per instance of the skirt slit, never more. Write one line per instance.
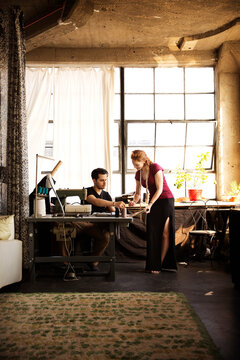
(156, 219)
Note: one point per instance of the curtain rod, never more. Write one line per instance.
(67, 65)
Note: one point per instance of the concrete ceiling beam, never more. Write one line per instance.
(121, 57)
(61, 21)
(212, 39)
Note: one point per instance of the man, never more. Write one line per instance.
(101, 201)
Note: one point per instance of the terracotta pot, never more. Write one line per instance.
(194, 194)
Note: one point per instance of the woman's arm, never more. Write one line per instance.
(158, 177)
(137, 194)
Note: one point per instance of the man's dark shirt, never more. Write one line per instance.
(104, 195)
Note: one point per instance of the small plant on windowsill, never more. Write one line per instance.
(181, 177)
(193, 180)
(234, 193)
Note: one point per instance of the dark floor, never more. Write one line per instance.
(208, 288)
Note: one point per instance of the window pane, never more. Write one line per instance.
(169, 107)
(139, 107)
(209, 187)
(130, 183)
(115, 159)
(116, 189)
(200, 133)
(170, 134)
(170, 158)
(200, 106)
(117, 80)
(117, 107)
(169, 80)
(192, 157)
(199, 80)
(138, 80)
(171, 179)
(141, 134)
(149, 151)
(116, 134)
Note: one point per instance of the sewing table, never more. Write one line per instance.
(113, 222)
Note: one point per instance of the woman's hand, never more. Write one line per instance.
(132, 203)
(119, 204)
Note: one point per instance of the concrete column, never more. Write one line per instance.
(228, 146)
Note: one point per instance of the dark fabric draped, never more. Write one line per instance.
(131, 245)
(3, 109)
(17, 158)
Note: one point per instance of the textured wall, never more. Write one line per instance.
(228, 159)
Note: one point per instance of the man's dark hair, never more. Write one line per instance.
(98, 171)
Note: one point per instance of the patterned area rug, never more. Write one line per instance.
(99, 326)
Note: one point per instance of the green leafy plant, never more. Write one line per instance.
(234, 188)
(199, 176)
(195, 179)
(181, 177)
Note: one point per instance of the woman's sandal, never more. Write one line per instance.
(153, 271)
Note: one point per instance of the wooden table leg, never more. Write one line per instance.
(111, 274)
(31, 252)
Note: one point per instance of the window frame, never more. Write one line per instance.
(123, 127)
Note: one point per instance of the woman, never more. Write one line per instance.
(160, 213)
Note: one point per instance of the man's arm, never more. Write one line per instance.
(91, 199)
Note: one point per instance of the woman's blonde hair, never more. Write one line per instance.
(140, 155)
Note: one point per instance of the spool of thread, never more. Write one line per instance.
(40, 207)
(124, 212)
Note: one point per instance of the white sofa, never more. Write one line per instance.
(10, 252)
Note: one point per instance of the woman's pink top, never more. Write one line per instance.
(153, 169)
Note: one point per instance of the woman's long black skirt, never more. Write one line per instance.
(156, 219)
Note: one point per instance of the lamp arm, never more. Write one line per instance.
(51, 185)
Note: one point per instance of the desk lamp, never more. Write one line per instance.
(49, 181)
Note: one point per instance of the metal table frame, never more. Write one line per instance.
(223, 207)
(112, 221)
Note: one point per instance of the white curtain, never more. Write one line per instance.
(83, 120)
(38, 96)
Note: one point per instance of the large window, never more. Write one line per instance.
(169, 113)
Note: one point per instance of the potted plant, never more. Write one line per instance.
(234, 193)
(195, 179)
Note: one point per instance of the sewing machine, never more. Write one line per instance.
(70, 209)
